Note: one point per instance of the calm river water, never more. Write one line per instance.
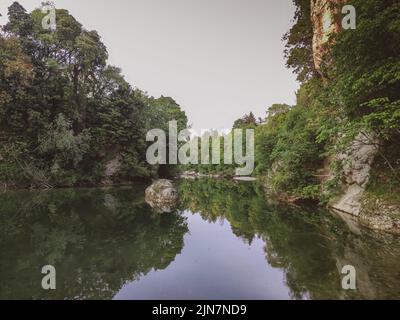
(226, 241)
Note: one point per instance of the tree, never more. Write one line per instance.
(366, 66)
(20, 22)
(298, 49)
(247, 121)
(64, 111)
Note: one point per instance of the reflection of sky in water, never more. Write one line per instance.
(214, 264)
(107, 243)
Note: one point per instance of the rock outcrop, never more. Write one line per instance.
(112, 168)
(162, 196)
(370, 210)
(356, 166)
(376, 214)
(326, 21)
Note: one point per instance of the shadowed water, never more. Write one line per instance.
(225, 242)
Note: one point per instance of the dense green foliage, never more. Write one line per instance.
(298, 51)
(365, 86)
(287, 151)
(359, 92)
(64, 112)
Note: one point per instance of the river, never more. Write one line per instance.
(226, 241)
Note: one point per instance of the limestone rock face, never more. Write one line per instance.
(350, 202)
(356, 167)
(162, 196)
(371, 211)
(358, 158)
(112, 167)
(326, 20)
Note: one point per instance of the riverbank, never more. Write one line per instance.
(376, 216)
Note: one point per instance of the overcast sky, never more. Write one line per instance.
(219, 59)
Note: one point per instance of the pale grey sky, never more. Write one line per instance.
(218, 59)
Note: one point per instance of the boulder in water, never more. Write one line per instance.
(162, 196)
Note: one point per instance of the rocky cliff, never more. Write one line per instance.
(357, 160)
(356, 164)
(326, 21)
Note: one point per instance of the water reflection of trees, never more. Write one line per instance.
(310, 244)
(97, 240)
